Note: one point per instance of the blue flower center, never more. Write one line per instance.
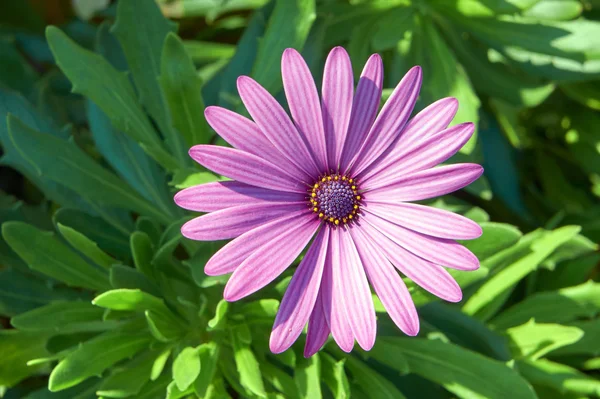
(335, 199)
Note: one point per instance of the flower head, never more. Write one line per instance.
(340, 178)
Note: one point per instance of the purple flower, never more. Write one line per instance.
(339, 178)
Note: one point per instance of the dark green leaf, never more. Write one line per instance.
(559, 377)
(372, 382)
(209, 353)
(17, 347)
(334, 375)
(127, 277)
(86, 246)
(127, 380)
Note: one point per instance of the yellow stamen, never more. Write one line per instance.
(337, 222)
(321, 215)
(315, 209)
(358, 197)
(331, 219)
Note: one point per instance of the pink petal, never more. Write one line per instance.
(390, 121)
(334, 299)
(387, 284)
(228, 258)
(303, 100)
(299, 299)
(232, 222)
(426, 123)
(318, 329)
(428, 183)
(357, 294)
(426, 219)
(270, 116)
(364, 109)
(215, 196)
(424, 154)
(429, 276)
(269, 261)
(337, 91)
(244, 135)
(245, 167)
(436, 250)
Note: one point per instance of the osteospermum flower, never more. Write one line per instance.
(340, 179)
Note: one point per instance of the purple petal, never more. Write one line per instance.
(436, 250)
(337, 91)
(428, 122)
(303, 100)
(269, 261)
(390, 121)
(428, 183)
(244, 167)
(387, 284)
(299, 299)
(355, 288)
(334, 299)
(228, 258)
(215, 196)
(424, 154)
(364, 109)
(232, 222)
(270, 116)
(429, 276)
(318, 329)
(244, 135)
(426, 219)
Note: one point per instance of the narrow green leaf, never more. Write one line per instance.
(86, 246)
(175, 393)
(186, 367)
(127, 277)
(182, 88)
(279, 379)
(17, 347)
(495, 237)
(308, 377)
(129, 379)
(533, 341)
(159, 364)
(334, 375)
(247, 365)
(557, 10)
(484, 8)
(372, 382)
(209, 354)
(141, 248)
(46, 254)
(163, 329)
(588, 344)
(202, 51)
(133, 300)
(557, 376)
(220, 320)
(586, 93)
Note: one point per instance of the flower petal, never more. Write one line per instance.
(428, 183)
(270, 116)
(337, 91)
(390, 121)
(269, 261)
(426, 219)
(355, 289)
(364, 109)
(228, 258)
(387, 284)
(318, 329)
(244, 135)
(299, 299)
(436, 250)
(334, 300)
(429, 121)
(425, 154)
(232, 222)
(427, 275)
(303, 100)
(215, 196)
(244, 167)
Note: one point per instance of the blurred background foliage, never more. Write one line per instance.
(101, 297)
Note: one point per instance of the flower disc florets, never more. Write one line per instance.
(335, 199)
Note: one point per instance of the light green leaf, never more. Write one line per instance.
(175, 393)
(533, 341)
(483, 8)
(159, 364)
(86, 246)
(186, 367)
(201, 51)
(246, 363)
(371, 381)
(288, 26)
(209, 354)
(185, 178)
(210, 9)
(559, 377)
(182, 88)
(462, 372)
(308, 377)
(17, 347)
(128, 380)
(495, 237)
(46, 254)
(334, 375)
(220, 320)
(133, 300)
(280, 380)
(558, 10)
(162, 328)
(589, 344)
(261, 309)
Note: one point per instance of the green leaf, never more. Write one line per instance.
(589, 344)
(64, 318)
(288, 26)
(182, 88)
(134, 300)
(128, 380)
(462, 372)
(17, 347)
(185, 178)
(175, 393)
(246, 364)
(93, 77)
(46, 254)
(261, 309)
(562, 306)
(186, 367)
(391, 28)
(159, 364)
(279, 379)
(64, 162)
(155, 389)
(512, 274)
(95, 356)
(484, 8)
(127, 277)
(209, 354)
(559, 377)
(533, 341)
(86, 246)
(220, 320)
(141, 248)
(308, 377)
(371, 381)
(15, 71)
(586, 93)
(558, 10)
(334, 375)
(495, 237)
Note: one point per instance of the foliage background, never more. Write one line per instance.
(101, 297)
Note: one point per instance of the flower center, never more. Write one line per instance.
(335, 199)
